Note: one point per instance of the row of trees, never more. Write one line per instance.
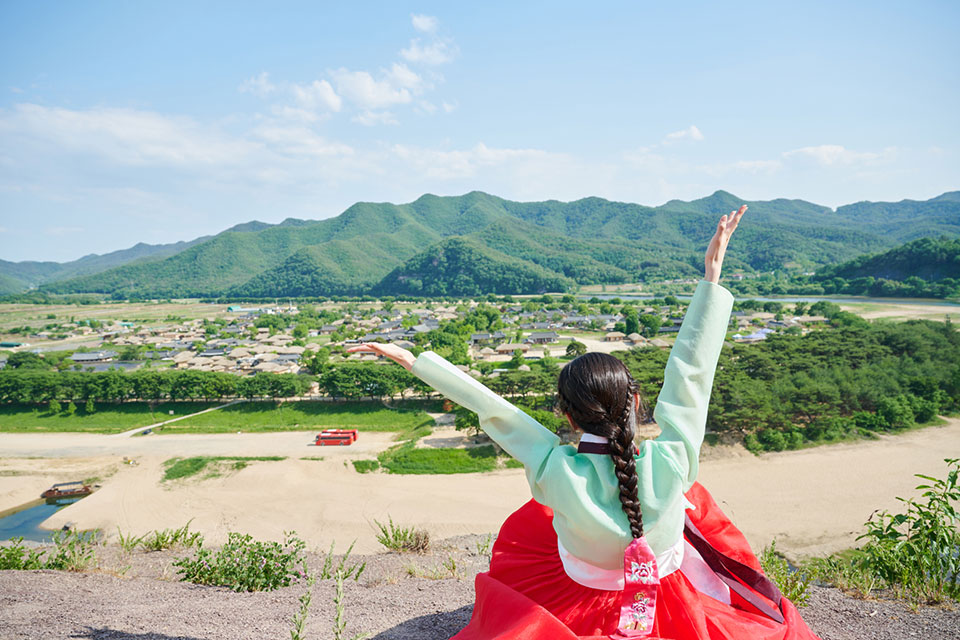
(36, 386)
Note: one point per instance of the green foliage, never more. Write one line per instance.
(163, 539)
(463, 267)
(343, 566)
(403, 539)
(179, 468)
(366, 466)
(576, 348)
(793, 583)
(298, 632)
(129, 542)
(245, 564)
(918, 550)
(466, 420)
(406, 459)
(72, 551)
(14, 556)
(27, 360)
(836, 384)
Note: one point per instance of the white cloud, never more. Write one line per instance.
(299, 141)
(690, 133)
(400, 75)
(317, 95)
(3, 230)
(258, 85)
(124, 136)
(426, 24)
(363, 90)
(449, 107)
(438, 51)
(831, 155)
(373, 118)
(425, 106)
(462, 163)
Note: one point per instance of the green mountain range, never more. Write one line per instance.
(479, 242)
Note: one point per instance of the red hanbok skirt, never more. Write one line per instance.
(527, 595)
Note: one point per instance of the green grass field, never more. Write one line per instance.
(108, 418)
(247, 417)
(306, 416)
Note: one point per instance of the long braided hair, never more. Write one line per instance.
(597, 391)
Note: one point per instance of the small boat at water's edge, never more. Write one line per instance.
(66, 490)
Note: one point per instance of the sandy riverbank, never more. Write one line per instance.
(812, 501)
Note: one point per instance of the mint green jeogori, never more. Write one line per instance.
(582, 489)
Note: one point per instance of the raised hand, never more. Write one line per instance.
(398, 354)
(718, 244)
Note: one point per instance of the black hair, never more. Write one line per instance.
(597, 391)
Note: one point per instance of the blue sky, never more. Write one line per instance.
(123, 122)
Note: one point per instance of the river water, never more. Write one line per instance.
(25, 523)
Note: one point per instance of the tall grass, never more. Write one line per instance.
(793, 583)
(398, 538)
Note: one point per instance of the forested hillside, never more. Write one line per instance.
(924, 268)
(587, 241)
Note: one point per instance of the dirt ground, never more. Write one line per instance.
(135, 596)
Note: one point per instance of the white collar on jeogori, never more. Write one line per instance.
(589, 437)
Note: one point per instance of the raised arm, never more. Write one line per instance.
(681, 409)
(520, 435)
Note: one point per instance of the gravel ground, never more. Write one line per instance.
(398, 597)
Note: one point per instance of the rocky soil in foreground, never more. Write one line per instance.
(136, 596)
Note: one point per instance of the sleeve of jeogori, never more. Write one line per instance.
(681, 410)
(520, 435)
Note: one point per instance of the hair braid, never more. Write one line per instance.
(598, 393)
(621, 452)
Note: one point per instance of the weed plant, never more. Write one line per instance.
(15, 556)
(73, 550)
(298, 632)
(402, 538)
(793, 583)
(328, 571)
(339, 616)
(129, 542)
(446, 569)
(918, 551)
(245, 564)
(163, 539)
(483, 545)
(845, 571)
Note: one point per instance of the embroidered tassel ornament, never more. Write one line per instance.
(641, 580)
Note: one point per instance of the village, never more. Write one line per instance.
(245, 340)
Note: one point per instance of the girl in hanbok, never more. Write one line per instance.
(618, 540)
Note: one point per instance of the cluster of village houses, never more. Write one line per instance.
(242, 348)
